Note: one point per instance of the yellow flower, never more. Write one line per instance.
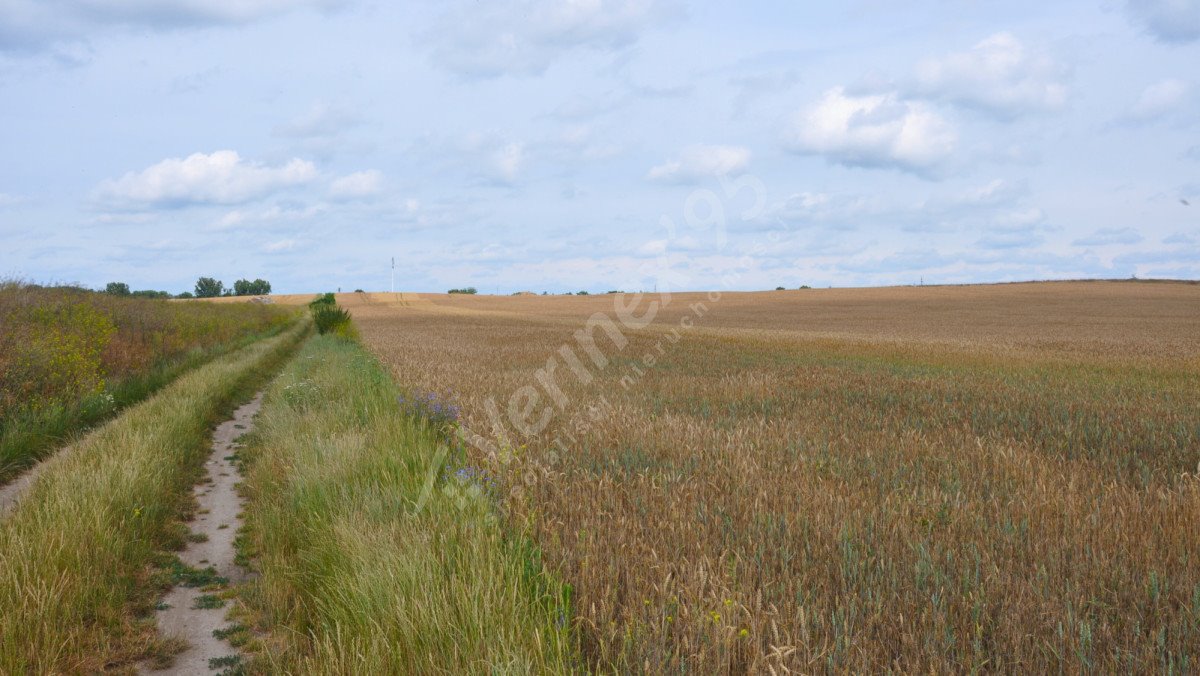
(744, 633)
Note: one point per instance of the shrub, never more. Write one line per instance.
(117, 289)
(329, 318)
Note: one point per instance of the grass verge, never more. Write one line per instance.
(29, 435)
(76, 554)
(375, 556)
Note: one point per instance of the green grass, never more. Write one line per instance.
(355, 577)
(31, 434)
(76, 554)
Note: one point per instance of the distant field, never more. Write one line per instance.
(938, 478)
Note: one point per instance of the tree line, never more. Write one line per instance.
(206, 287)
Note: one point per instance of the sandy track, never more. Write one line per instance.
(218, 518)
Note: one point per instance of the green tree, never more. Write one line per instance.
(260, 287)
(242, 287)
(117, 289)
(207, 287)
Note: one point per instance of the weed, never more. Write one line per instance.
(208, 602)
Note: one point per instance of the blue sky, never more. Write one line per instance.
(597, 144)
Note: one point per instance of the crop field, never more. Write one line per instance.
(1001, 478)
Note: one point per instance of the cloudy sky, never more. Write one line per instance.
(597, 144)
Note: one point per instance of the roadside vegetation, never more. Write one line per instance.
(71, 358)
(379, 550)
(329, 317)
(76, 583)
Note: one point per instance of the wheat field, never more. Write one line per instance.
(993, 478)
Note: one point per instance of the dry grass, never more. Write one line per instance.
(941, 478)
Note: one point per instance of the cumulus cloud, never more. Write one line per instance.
(33, 25)
(359, 185)
(999, 74)
(875, 130)
(1159, 100)
(1110, 236)
(218, 178)
(1175, 21)
(699, 162)
(525, 38)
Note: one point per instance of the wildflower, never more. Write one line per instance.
(744, 633)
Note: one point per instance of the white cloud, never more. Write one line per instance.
(219, 178)
(999, 74)
(272, 214)
(1168, 20)
(358, 185)
(877, 130)
(320, 121)
(33, 25)
(1159, 100)
(492, 39)
(7, 200)
(1110, 236)
(280, 246)
(507, 160)
(700, 162)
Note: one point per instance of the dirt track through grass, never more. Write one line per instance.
(187, 612)
(78, 556)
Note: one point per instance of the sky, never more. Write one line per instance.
(597, 144)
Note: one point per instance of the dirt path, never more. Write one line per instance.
(216, 523)
(12, 492)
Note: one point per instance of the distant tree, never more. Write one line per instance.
(780, 288)
(245, 287)
(150, 294)
(468, 290)
(117, 289)
(359, 291)
(581, 293)
(207, 287)
(186, 294)
(805, 287)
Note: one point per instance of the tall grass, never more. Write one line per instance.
(364, 570)
(75, 590)
(70, 358)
